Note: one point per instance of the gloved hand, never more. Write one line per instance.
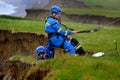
(74, 32)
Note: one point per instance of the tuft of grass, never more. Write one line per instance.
(22, 58)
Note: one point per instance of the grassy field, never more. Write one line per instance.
(112, 4)
(21, 24)
(108, 8)
(67, 67)
(93, 11)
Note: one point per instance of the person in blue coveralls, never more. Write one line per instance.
(58, 37)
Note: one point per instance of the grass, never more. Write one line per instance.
(67, 67)
(108, 8)
(22, 58)
(21, 24)
(84, 68)
(93, 11)
(113, 4)
(13, 18)
(97, 41)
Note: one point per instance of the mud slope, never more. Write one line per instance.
(12, 43)
(19, 43)
(18, 70)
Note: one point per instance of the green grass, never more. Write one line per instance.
(22, 58)
(112, 4)
(98, 12)
(67, 67)
(102, 40)
(108, 8)
(21, 24)
(85, 68)
(13, 18)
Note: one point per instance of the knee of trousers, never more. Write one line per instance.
(69, 47)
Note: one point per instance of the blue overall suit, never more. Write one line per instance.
(57, 36)
(49, 50)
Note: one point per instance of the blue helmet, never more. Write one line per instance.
(55, 9)
(40, 49)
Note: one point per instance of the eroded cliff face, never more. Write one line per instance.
(19, 43)
(92, 19)
(19, 70)
(25, 43)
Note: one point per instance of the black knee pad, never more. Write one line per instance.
(74, 41)
(80, 51)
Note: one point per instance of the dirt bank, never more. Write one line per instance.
(12, 43)
(19, 43)
(93, 19)
(37, 14)
(18, 70)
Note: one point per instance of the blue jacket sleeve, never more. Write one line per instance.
(58, 29)
(53, 26)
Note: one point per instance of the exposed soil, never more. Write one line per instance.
(37, 14)
(93, 19)
(25, 43)
(19, 43)
(17, 70)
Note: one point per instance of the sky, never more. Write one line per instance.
(18, 7)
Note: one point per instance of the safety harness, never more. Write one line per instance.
(54, 34)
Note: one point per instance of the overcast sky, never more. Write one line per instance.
(18, 7)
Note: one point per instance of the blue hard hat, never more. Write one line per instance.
(55, 9)
(40, 49)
